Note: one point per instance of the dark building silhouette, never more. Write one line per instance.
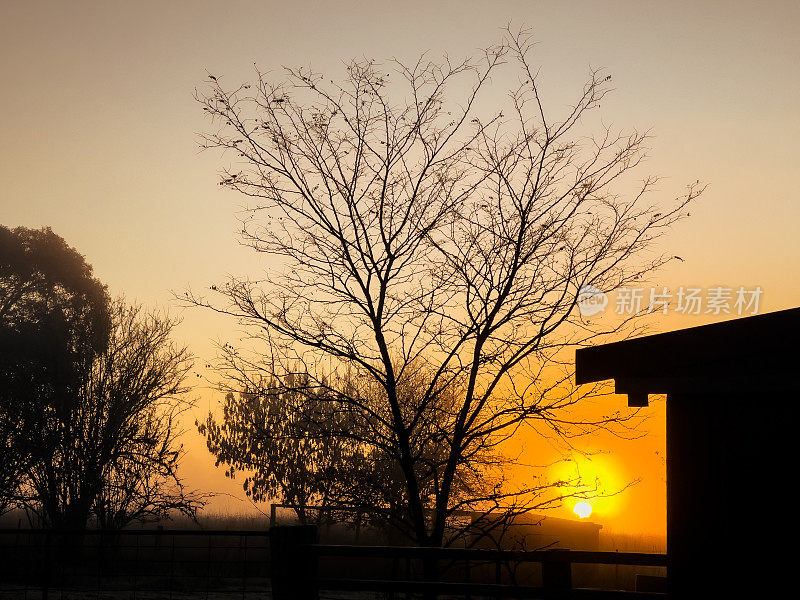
(731, 440)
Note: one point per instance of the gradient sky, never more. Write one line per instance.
(98, 140)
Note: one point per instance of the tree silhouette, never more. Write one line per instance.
(90, 392)
(411, 229)
(53, 319)
(298, 441)
(282, 436)
(137, 394)
(111, 451)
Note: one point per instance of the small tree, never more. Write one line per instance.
(280, 435)
(418, 230)
(13, 457)
(137, 390)
(111, 450)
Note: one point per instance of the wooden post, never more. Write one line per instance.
(557, 574)
(47, 565)
(292, 567)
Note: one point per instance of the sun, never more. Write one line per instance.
(582, 509)
(593, 479)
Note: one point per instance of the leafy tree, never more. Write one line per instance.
(53, 319)
(423, 230)
(280, 434)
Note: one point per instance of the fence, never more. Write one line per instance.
(285, 563)
(137, 564)
(298, 572)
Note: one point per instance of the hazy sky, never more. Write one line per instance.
(98, 135)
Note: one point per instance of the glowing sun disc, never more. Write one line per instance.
(582, 509)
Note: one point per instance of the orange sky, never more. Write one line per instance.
(98, 135)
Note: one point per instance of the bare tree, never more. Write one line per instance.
(146, 370)
(111, 450)
(13, 457)
(412, 227)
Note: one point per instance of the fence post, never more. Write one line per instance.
(172, 566)
(136, 567)
(557, 573)
(47, 566)
(293, 568)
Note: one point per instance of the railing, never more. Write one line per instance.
(220, 563)
(297, 573)
(241, 564)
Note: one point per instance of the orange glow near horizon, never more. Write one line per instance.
(599, 477)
